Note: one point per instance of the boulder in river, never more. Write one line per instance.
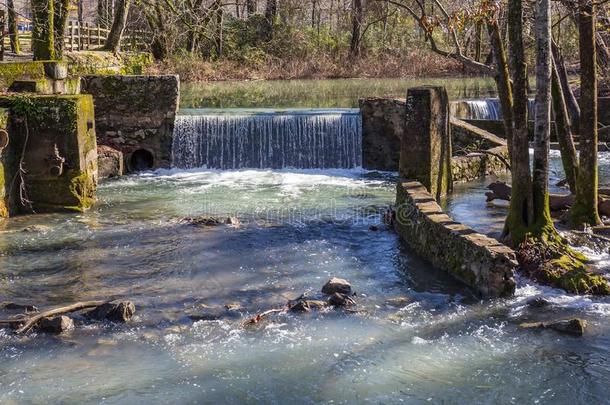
(109, 162)
(337, 285)
(538, 302)
(305, 305)
(121, 311)
(340, 300)
(574, 327)
(57, 324)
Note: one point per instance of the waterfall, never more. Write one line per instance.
(484, 109)
(236, 139)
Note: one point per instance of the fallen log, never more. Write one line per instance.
(31, 321)
(557, 202)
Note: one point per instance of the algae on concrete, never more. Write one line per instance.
(57, 134)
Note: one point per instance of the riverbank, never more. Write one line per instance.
(415, 63)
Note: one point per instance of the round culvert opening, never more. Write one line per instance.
(141, 159)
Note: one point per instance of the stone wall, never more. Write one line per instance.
(473, 165)
(383, 126)
(383, 121)
(476, 165)
(476, 260)
(135, 115)
(57, 134)
(425, 147)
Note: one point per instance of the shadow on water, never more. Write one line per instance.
(418, 336)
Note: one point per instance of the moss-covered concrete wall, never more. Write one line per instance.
(79, 64)
(53, 137)
(11, 71)
(478, 261)
(107, 63)
(135, 113)
(6, 168)
(425, 147)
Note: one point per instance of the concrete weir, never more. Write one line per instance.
(477, 260)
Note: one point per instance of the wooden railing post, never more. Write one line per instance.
(88, 36)
(71, 34)
(80, 36)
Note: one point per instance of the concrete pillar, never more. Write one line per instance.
(425, 148)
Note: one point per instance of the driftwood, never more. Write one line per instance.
(28, 322)
(259, 317)
(557, 202)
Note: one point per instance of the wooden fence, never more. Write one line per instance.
(87, 37)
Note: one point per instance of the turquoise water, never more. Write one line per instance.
(418, 337)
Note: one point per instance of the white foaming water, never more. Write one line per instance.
(488, 109)
(417, 336)
(267, 139)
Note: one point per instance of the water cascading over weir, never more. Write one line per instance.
(267, 139)
(483, 109)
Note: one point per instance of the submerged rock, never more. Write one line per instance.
(337, 285)
(211, 221)
(305, 305)
(56, 324)
(574, 327)
(228, 311)
(538, 302)
(121, 311)
(399, 301)
(36, 229)
(340, 300)
(12, 306)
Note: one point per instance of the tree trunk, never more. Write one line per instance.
(156, 22)
(219, 30)
(113, 42)
(251, 7)
(60, 18)
(568, 94)
(191, 41)
(270, 18)
(584, 211)
(542, 222)
(43, 44)
(569, 158)
(105, 13)
(521, 208)
(502, 79)
(12, 27)
(478, 41)
(357, 20)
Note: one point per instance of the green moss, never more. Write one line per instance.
(83, 188)
(3, 200)
(556, 264)
(107, 63)
(573, 276)
(135, 63)
(66, 121)
(9, 72)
